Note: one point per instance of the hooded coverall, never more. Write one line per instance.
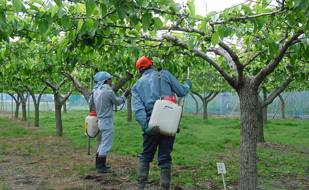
(104, 98)
(145, 92)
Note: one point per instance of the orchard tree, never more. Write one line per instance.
(59, 101)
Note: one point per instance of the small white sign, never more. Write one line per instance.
(221, 168)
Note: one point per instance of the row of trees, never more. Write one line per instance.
(246, 48)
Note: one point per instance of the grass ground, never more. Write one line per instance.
(282, 159)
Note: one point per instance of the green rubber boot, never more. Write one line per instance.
(143, 170)
(165, 178)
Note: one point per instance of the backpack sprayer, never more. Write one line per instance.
(166, 113)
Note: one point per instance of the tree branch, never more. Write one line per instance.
(52, 86)
(254, 57)
(81, 88)
(235, 60)
(266, 70)
(65, 97)
(282, 10)
(202, 55)
(276, 92)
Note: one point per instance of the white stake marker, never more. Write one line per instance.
(221, 170)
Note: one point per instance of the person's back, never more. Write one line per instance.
(145, 92)
(147, 89)
(104, 98)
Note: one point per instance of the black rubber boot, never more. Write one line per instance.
(165, 178)
(101, 167)
(96, 162)
(143, 170)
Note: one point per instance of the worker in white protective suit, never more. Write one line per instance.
(104, 99)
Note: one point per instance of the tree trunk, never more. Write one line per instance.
(64, 107)
(282, 107)
(36, 103)
(17, 104)
(248, 106)
(205, 113)
(196, 104)
(264, 109)
(59, 101)
(37, 115)
(23, 103)
(17, 109)
(24, 108)
(260, 126)
(129, 108)
(59, 127)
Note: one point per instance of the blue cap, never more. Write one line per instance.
(101, 77)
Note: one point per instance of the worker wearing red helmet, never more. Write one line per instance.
(145, 92)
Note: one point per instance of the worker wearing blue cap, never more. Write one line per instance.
(104, 99)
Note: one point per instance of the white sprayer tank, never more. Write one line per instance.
(91, 125)
(166, 114)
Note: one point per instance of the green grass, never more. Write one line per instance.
(199, 145)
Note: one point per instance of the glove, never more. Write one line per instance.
(188, 82)
(127, 92)
(153, 131)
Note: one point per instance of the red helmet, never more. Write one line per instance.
(142, 63)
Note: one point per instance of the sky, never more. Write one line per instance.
(212, 5)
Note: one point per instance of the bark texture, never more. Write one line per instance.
(248, 166)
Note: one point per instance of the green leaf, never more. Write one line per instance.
(54, 10)
(227, 31)
(80, 24)
(113, 17)
(204, 26)
(43, 26)
(134, 20)
(135, 33)
(191, 44)
(158, 24)
(103, 10)
(221, 31)
(191, 8)
(142, 3)
(65, 22)
(246, 8)
(175, 7)
(146, 19)
(58, 2)
(214, 16)
(215, 38)
(2, 17)
(89, 23)
(8, 65)
(59, 12)
(16, 5)
(300, 5)
(90, 6)
(107, 31)
(122, 12)
(122, 32)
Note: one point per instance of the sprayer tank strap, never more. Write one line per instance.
(159, 79)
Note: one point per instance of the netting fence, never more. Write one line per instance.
(296, 104)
